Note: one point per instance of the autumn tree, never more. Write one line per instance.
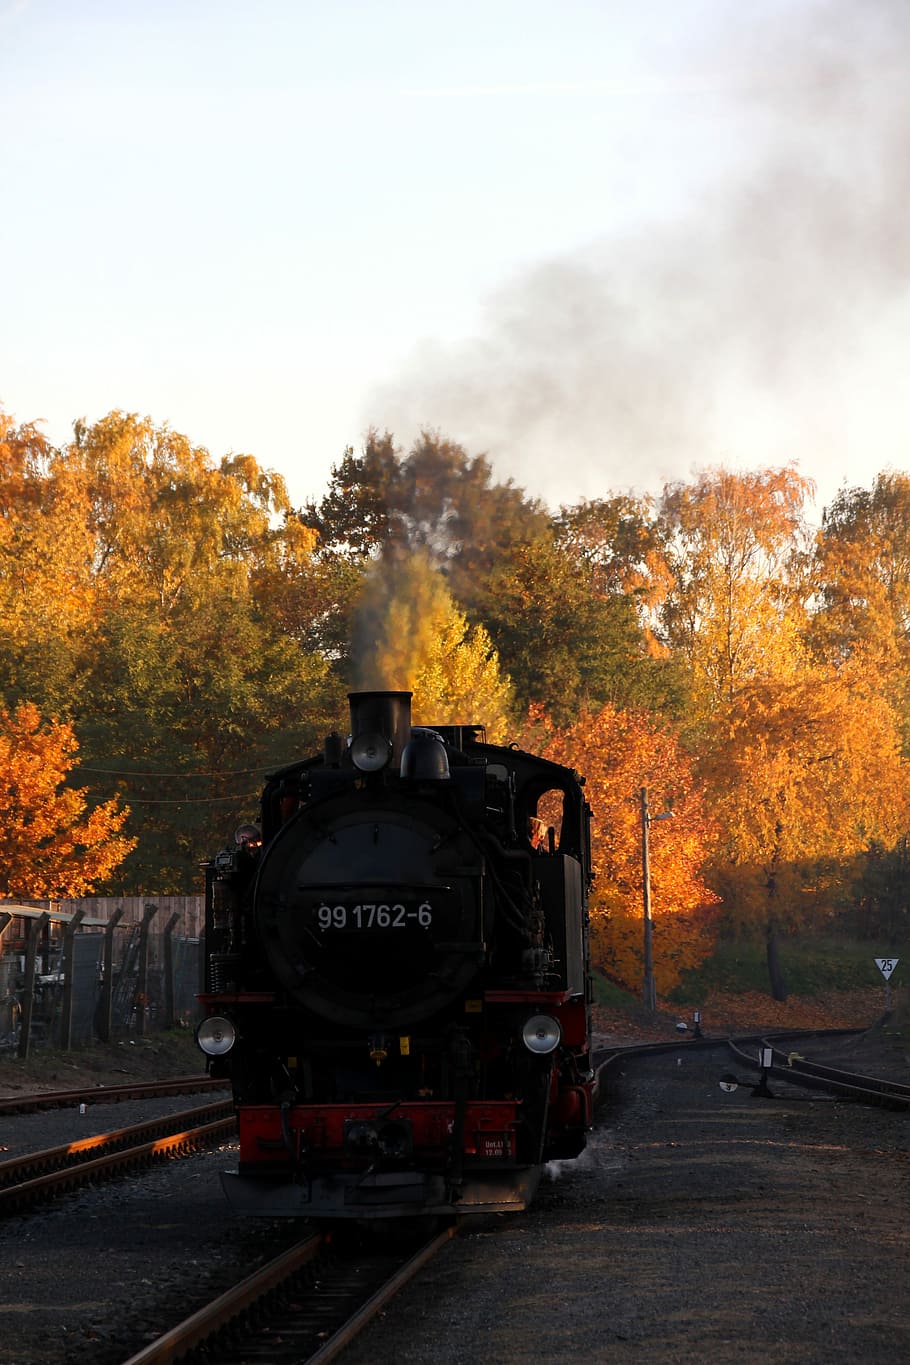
(410, 636)
(436, 498)
(565, 629)
(619, 752)
(309, 594)
(201, 669)
(163, 512)
(562, 643)
(357, 515)
(735, 546)
(188, 721)
(617, 544)
(53, 843)
(620, 540)
(804, 773)
(861, 585)
(46, 549)
(879, 894)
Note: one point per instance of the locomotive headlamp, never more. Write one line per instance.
(371, 751)
(541, 1034)
(216, 1036)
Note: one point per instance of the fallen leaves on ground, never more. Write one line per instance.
(724, 1013)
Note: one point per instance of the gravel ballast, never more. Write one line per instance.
(699, 1225)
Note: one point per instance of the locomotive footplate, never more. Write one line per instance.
(383, 1194)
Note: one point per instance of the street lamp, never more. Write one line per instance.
(648, 992)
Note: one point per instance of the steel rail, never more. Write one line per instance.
(852, 1079)
(196, 1329)
(605, 1059)
(813, 1076)
(14, 1197)
(18, 1168)
(376, 1302)
(203, 1327)
(108, 1094)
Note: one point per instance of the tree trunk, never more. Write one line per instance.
(775, 970)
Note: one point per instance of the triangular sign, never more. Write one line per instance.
(886, 965)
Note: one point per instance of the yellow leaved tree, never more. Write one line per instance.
(46, 551)
(409, 635)
(861, 586)
(735, 545)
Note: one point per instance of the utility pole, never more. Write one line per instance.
(649, 991)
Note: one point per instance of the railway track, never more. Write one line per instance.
(31, 1178)
(107, 1094)
(303, 1307)
(792, 1067)
(745, 1048)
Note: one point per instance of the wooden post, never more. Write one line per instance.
(169, 1019)
(649, 987)
(69, 953)
(107, 977)
(142, 983)
(35, 930)
(6, 920)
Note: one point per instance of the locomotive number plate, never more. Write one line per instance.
(369, 915)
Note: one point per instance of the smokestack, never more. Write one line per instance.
(381, 719)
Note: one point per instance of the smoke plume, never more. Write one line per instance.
(764, 326)
(398, 620)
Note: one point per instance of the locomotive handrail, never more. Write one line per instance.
(346, 885)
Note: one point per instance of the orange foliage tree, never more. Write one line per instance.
(806, 772)
(50, 845)
(410, 635)
(619, 752)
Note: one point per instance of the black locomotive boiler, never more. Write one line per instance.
(397, 974)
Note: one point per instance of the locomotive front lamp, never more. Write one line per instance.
(371, 751)
(216, 1036)
(541, 1034)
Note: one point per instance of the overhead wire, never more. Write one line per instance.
(132, 772)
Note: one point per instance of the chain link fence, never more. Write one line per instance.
(68, 981)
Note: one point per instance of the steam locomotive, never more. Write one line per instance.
(397, 975)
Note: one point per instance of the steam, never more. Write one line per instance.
(765, 325)
(398, 620)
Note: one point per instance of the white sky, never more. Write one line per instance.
(606, 241)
